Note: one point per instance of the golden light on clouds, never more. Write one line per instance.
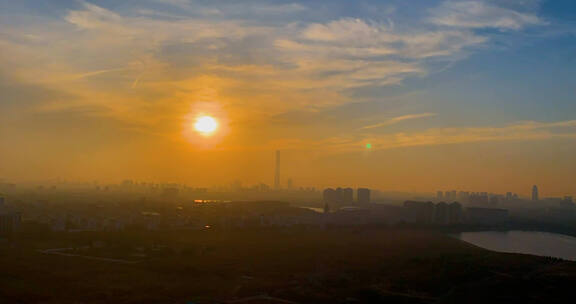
(111, 81)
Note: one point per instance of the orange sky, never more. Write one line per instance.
(97, 92)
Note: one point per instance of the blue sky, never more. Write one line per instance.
(103, 79)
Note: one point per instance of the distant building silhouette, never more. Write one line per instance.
(9, 220)
(339, 196)
(347, 196)
(419, 212)
(439, 195)
(363, 195)
(330, 198)
(479, 198)
(454, 213)
(441, 213)
(342, 197)
(487, 216)
(535, 196)
(464, 196)
(277, 171)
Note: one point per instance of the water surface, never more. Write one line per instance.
(528, 242)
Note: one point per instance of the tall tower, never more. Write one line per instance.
(277, 172)
(534, 193)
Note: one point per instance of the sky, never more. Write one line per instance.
(475, 95)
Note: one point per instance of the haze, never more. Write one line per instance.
(393, 95)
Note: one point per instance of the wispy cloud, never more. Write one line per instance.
(481, 14)
(519, 131)
(398, 119)
(353, 141)
(252, 66)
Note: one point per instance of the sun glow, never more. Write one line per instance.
(206, 125)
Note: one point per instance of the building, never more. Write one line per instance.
(418, 212)
(486, 216)
(479, 199)
(277, 172)
(363, 195)
(448, 196)
(454, 213)
(330, 198)
(9, 220)
(339, 196)
(441, 213)
(439, 195)
(347, 196)
(464, 196)
(535, 196)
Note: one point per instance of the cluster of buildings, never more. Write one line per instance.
(9, 219)
(200, 216)
(342, 197)
(477, 198)
(421, 213)
(493, 199)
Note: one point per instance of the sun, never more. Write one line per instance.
(206, 125)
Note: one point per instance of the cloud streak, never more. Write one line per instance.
(481, 14)
(519, 131)
(398, 119)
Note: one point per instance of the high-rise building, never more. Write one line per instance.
(347, 196)
(535, 196)
(363, 195)
(339, 195)
(448, 195)
(277, 171)
(330, 197)
(289, 184)
(439, 195)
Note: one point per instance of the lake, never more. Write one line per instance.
(528, 242)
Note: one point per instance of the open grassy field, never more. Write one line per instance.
(303, 266)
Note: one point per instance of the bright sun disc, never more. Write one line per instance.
(206, 124)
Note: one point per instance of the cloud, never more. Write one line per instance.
(398, 119)
(481, 14)
(525, 130)
(142, 64)
(356, 141)
(94, 17)
(229, 9)
(360, 38)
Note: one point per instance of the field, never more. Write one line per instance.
(301, 266)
